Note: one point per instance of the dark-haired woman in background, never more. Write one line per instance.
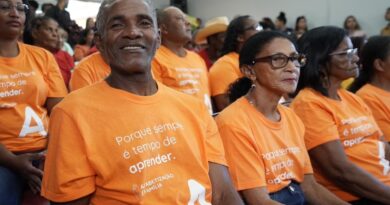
(30, 86)
(342, 137)
(352, 26)
(225, 70)
(81, 50)
(263, 140)
(300, 26)
(373, 84)
(280, 24)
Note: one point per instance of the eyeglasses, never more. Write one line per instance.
(6, 7)
(255, 27)
(280, 60)
(349, 53)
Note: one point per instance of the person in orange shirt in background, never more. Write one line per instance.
(175, 66)
(81, 49)
(263, 140)
(30, 86)
(213, 34)
(225, 71)
(90, 70)
(344, 142)
(130, 139)
(373, 83)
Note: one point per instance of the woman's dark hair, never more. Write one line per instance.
(357, 27)
(236, 27)
(297, 22)
(37, 22)
(250, 49)
(83, 37)
(317, 44)
(282, 17)
(267, 24)
(377, 47)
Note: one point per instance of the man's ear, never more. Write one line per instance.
(159, 37)
(378, 65)
(162, 29)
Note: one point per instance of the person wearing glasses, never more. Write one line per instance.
(373, 84)
(344, 142)
(263, 139)
(30, 86)
(226, 70)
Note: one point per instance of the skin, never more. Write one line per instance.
(129, 41)
(11, 25)
(271, 84)
(381, 77)
(330, 157)
(221, 101)
(46, 36)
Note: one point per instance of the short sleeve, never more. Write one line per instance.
(53, 78)
(246, 167)
(320, 127)
(80, 78)
(221, 75)
(67, 175)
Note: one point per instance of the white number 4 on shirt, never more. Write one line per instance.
(382, 159)
(198, 193)
(29, 114)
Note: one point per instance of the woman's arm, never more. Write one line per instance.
(317, 194)
(334, 164)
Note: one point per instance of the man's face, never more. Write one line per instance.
(177, 28)
(130, 37)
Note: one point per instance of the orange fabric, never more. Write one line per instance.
(351, 122)
(90, 70)
(186, 74)
(225, 71)
(80, 51)
(261, 152)
(27, 80)
(379, 102)
(130, 149)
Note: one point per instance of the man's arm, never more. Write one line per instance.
(257, 196)
(331, 159)
(316, 194)
(224, 192)
(81, 201)
(220, 101)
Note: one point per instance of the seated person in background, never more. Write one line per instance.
(90, 70)
(115, 142)
(31, 85)
(45, 35)
(213, 34)
(263, 140)
(386, 30)
(64, 45)
(174, 65)
(344, 142)
(280, 24)
(300, 26)
(225, 71)
(373, 83)
(81, 49)
(352, 26)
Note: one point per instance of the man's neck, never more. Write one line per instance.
(139, 84)
(175, 47)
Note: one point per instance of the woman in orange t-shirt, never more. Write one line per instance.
(30, 85)
(373, 84)
(81, 50)
(263, 140)
(345, 144)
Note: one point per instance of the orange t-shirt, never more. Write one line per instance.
(261, 152)
(186, 74)
(225, 71)
(27, 80)
(90, 70)
(80, 51)
(379, 102)
(130, 149)
(351, 122)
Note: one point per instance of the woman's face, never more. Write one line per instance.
(281, 80)
(251, 27)
(343, 63)
(351, 23)
(46, 35)
(302, 23)
(12, 18)
(385, 66)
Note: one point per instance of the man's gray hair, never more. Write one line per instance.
(102, 14)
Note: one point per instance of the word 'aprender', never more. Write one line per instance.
(140, 134)
(154, 161)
